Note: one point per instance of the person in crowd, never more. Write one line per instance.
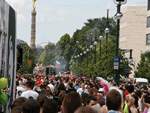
(30, 94)
(97, 108)
(84, 109)
(61, 87)
(70, 87)
(134, 107)
(66, 83)
(126, 102)
(130, 89)
(77, 86)
(31, 106)
(62, 95)
(101, 90)
(18, 102)
(41, 99)
(145, 100)
(100, 99)
(84, 98)
(17, 109)
(50, 106)
(93, 92)
(51, 86)
(82, 90)
(20, 90)
(139, 94)
(113, 101)
(71, 102)
(91, 100)
(49, 93)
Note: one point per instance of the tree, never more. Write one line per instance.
(27, 55)
(64, 51)
(48, 56)
(143, 68)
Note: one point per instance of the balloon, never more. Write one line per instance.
(3, 83)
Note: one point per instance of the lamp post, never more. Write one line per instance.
(84, 51)
(78, 57)
(118, 16)
(95, 43)
(100, 38)
(87, 50)
(91, 46)
(107, 29)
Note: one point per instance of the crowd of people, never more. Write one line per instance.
(51, 94)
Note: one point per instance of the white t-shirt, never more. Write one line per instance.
(140, 105)
(51, 87)
(30, 94)
(80, 91)
(20, 90)
(66, 86)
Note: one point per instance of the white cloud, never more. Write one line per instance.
(61, 19)
(42, 19)
(20, 17)
(108, 6)
(19, 2)
(50, 19)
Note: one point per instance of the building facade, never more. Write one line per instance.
(148, 27)
(132, 32)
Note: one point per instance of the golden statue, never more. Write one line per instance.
(34, 4)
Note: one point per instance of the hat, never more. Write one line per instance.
(101, 90)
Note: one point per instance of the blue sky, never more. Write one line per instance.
(57, 17)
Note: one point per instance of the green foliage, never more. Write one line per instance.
(48, 56)
(27, 55)
(143, 68)
(64, 51)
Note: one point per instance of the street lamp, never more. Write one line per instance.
(107, 29)
(95, 43)
(117, 16)
(100, 38)
(87, 50)
(78, 57)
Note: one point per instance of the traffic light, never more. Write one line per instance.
(19, 57)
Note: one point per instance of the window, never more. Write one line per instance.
(148, 7)
(148, 21)
(148, 39)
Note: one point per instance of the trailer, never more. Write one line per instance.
(8, 50)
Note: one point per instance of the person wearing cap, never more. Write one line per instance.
(101, 90)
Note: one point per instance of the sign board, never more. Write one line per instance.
(116, 59)
(128, 69)
(116, 63)
(120, 1)
(116, 67)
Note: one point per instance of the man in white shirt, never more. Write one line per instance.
(30, 94)
(20, 90)
(82, 90)
(51, 86)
